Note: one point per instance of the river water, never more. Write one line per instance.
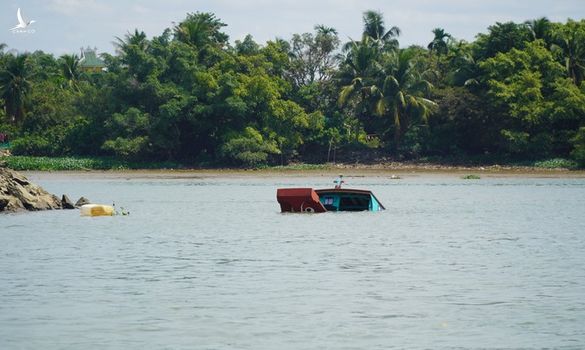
(210, 263)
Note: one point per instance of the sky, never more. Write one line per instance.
(64, 26)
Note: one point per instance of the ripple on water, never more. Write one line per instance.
(212, 264)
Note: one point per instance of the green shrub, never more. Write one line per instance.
(33, 145)
(556, 163)
(248, 149)
(74, 163)
(126, 148)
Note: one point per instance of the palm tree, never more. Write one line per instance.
(439, 43)
(136, 39)
(464, 67)
(539, 28)
(388, 84)
(70, 69)
(358, 76)
(570, 41)
(360, 70)
(14, 86)
(361, 64)
(375, 28)
(403, 92)
(201, 29)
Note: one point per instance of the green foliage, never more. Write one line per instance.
(556, 163)
(303, 167)
(126, 148)
(518, 80)
(471, 177)
(531, 87)
(74, 163)
(313, 58)
(187, 96)
(439, 44)
(34, 145)
(129, 134)
(463, 123)
(501, 38)
(569, 40)
(15, 84)
(248, 148)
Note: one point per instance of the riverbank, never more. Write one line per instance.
(115, 168)
(395, 172)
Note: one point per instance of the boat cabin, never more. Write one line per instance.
(349, 200)
(319, 201)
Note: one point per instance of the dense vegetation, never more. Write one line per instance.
(514, 94)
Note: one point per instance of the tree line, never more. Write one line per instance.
(188, 95)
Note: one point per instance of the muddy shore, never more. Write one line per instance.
(394, 170)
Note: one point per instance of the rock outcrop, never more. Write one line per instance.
(66, 203)
(82, 201)
(18, 193)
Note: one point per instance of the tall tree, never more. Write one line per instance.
(247, 47)
(14, 86)
(70, 69)
(439, 43)
(201, 29)
(375, 28)
(137, 39)
(501, 38)
(540, 28)
(569, 39)
(404, 93)
(359, 73)
(312, 58)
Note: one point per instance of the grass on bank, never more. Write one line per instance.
(74, 163)
(104, 163)
(557, 163)
(22, 163)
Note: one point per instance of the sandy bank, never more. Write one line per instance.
(393, 170)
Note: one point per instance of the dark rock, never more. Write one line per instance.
(3, 203)
(66, 203)
(18, 193)
(82, 201)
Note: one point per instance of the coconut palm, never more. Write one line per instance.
(439, 43)
(539, 28)
(360, 71)
(375, 28)
(70, 69)
(403, 93)
(464, 67)
(137, 39)
(14, 86)
(569, 40)
(361, 65)
(389, 84)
